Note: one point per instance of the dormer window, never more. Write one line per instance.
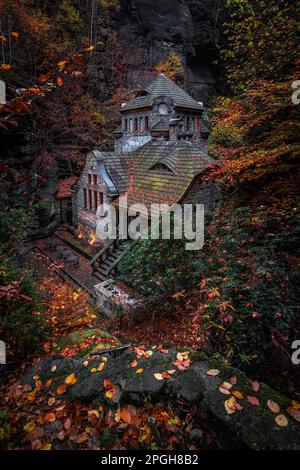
(160, 167)
(163, 109)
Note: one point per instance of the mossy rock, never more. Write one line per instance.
(254, 427)
(84, 342)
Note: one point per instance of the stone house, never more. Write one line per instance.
(160, 156)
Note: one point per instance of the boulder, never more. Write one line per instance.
(252, 427)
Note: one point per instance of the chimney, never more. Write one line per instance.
(175, 125)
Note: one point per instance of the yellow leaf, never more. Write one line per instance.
(89, 49)
(46, 446)
(71, 379)
(296, 404)
(29, 427)
(93, 370)
(139, 371)
(281, 420)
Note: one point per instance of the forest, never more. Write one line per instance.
(207, 355)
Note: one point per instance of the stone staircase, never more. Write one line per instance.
(107, 259)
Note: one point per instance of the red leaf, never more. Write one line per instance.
(253, 400)
(255, 385)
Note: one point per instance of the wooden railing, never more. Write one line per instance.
(105, 251)
(113, 266)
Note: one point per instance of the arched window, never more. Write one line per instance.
(163, 109)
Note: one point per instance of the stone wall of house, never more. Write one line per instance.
(203, 192)
(86, 219)
(132, 140)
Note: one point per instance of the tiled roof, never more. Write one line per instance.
(163, 86)
(117, 165)
(64, 187)
(134, 176)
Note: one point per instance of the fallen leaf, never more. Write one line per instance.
(59, 81)
(125, 414)
(294, 413)
(171, 372)
(61, 389)
(85, 363)
(71, 379)
(158, 376)
(233, 380)
(29, 427)
(296, 404)
(255, 385)
(273, 406)
(224, 391)
(53, 368)
(139, 371)
(165, 375)
(213, 372)
(253, 400)
(230, 405)
(107, 384)
(281, 420)
(49, 418)
(67, 424)
(238, 394)
(89, 48)
(51, 401)
(46, 446)
(133, 363)
(93, 416)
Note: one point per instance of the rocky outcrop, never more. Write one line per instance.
(190, 28)
(251, 426)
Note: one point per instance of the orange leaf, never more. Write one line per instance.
(6, 67)
(61, 389)
(50, 418)
(125, 414)
(15, 35)
(133, 363)
(71, 379)
(59, 81)
(107, 384)
(238, 394)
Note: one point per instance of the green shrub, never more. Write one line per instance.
(22, 324)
